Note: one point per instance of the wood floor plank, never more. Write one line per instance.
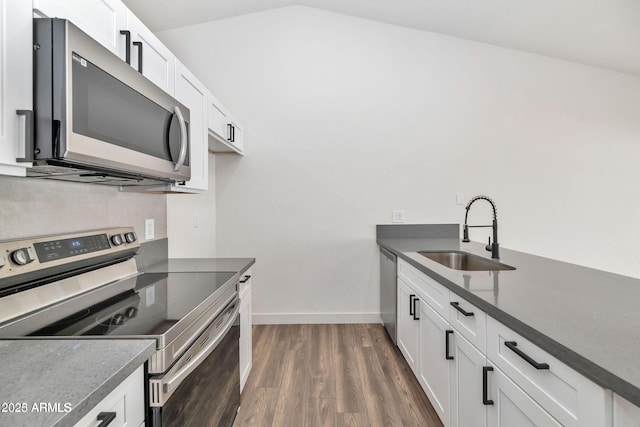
(404, 386)
(349, 392)
(258, 408)
(321, 367)
(378, 399)
(320, 413)
(348, 419)
(333, 375)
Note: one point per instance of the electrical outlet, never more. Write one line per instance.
(149, 229)
(459, 198)
(195, 221)
(397, 217)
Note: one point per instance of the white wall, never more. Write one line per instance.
(347, 119)
(191, 221)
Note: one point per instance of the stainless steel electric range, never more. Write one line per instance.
(87, 286)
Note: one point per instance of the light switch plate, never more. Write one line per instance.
(149, 229)
(459, 198)
(397, 217)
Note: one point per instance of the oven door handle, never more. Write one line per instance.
(170, 384)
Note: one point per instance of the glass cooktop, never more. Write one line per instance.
(151, 306)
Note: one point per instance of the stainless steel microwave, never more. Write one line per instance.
(98, 120)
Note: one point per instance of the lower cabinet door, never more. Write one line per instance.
(467, 404)
(512, 406)
(408, 325)
(435, 368)
(245, 337)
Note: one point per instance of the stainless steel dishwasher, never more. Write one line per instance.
(388, 291)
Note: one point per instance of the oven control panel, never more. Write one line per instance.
(37, 253)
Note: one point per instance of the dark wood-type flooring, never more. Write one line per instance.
(330, 375)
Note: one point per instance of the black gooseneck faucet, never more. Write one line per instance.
(493, 247)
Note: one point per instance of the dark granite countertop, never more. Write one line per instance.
(79, 373)
(587, 318)
(211, 265)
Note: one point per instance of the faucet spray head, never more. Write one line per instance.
(465, 234)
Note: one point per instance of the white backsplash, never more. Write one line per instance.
(32, 207)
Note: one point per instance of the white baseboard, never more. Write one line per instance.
(308, 318)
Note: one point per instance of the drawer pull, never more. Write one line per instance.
(456, 305)
(106, 418)
(415, 310)
(513, 346)
(446, 344)
(245, 279)
(485, 388)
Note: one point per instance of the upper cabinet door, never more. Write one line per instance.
(101, 19)
(158, 63)
(16, 65)
(191, 93)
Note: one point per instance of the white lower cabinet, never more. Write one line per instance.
(467, 397)
(408, 329)
(126, 401)
(625, 413)
(512, 406)
(435, 360)
(245, 328)
(478, 373)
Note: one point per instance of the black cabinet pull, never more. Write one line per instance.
(127, 49)
(139, 46)
(106, 418)
(246, 279)
(456, 305)
(233, 133)
(411, 297)
(485, 391)
(230, 132)
(513, 346)
(447, 333)
(415, 310)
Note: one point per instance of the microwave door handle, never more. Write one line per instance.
(183, 139)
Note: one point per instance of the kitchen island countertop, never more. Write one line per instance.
(64, 375)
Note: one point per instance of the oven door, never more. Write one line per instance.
(203, 387)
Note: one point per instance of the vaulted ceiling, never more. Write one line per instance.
(602, 33)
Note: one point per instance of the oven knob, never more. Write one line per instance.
(117, 319)
(116, 239)
(22, 256)
(130, 237)
(131, 312)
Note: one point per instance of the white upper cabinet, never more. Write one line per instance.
(101, 19)
(225, 133)
(193, 94)
(16, 65)
(150, 56)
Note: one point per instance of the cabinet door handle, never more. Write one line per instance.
(415, 310)
(139, 46)
(127, 48)
(106, 418)
(447, 333)
(485, 391)
(28, 135)
(513, 346)
(230, 132)
(456, 305)
(246, 279)
(233, 133)
(411, 297)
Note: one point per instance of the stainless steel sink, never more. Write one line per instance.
(459, 260)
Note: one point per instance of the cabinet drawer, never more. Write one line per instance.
(126, 401)
(433, 293)
(469, 321)
(569, 397)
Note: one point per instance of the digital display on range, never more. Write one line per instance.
(65, 248)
